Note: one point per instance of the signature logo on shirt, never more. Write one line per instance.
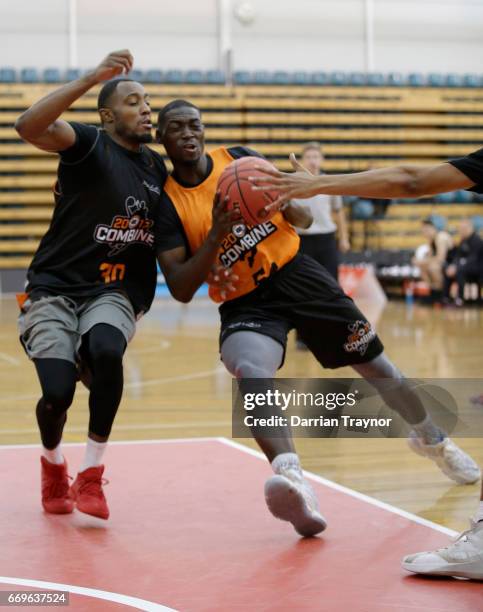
(124, 230)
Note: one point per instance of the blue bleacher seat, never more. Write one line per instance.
(263, 77)
(29, 75)
(300, 78)
(216, 77)
(477, 222)
(242, 77)
(153, 76)
(173, 76)
(436, 80)
(454, 80)
(445, 198)
(8, 75)
(471, 80)
(362, 210)
(319, 78)
(463, 197)
(71, 74)
(338, 78)
(406, 201)
(194, 76)
(281, 78)
(396, 79)
(416, 79)
(438, 221)
(51, 75)
(357, 79)
(136, 75)
(376, 79)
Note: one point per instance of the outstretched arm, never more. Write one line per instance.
(394, 182)
(40, 124)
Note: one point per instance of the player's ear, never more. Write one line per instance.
(158, 136)
(107, 116)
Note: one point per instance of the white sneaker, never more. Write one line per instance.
(450, 459)
(461, 559)
(290, 498)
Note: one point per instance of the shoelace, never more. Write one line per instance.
(56, 488)
(462, 538)
(93, 486)
(304, 487)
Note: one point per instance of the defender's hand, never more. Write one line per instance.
(298, 184)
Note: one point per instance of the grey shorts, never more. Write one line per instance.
(52, 327)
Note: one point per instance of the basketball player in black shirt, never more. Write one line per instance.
(94, 272)
(463, 558)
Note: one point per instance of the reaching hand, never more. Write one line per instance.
(116, 63)
(223, 278)
(298, 184)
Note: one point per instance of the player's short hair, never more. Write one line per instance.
(312, 146)
(171, 106)
(107, 90)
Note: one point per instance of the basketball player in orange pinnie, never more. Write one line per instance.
(276, 289)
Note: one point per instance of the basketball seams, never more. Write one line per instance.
(237, 173)
(243, 199)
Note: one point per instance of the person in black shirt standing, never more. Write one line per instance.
(463, 558)
(94, 272)
(464, 264)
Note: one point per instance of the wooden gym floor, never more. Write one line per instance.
(176, 387)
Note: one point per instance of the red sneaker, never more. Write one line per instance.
(86, 491)
(55, 488)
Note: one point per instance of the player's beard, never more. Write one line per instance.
(131, 136)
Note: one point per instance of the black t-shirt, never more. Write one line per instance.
(170, 233)
(472, 167)
(101, 237)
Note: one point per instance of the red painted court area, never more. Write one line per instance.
(189, 530)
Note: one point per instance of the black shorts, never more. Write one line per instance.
(322, 248)
(304, 296)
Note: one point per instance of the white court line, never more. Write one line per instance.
(361, 496)
(128, 427)
(163, 345)
(250, 451)
(121, 442)
(9, 359)
(132, 385)
(125, 600)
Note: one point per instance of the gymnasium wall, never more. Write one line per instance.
(409, 35)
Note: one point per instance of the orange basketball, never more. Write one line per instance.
(234, 183)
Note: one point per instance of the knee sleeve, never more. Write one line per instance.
(104, 345)
(251, 355)
(57, 380)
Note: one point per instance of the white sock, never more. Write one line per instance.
(93, 455)
(54, 455)
(286, 461)
(479, 513)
